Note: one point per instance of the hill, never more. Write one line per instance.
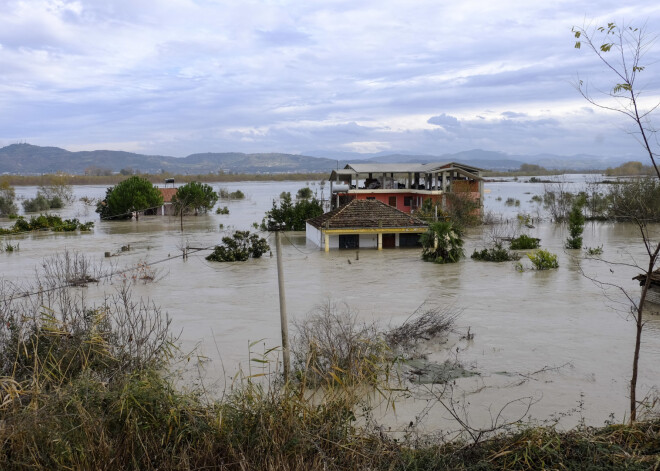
(27, 159)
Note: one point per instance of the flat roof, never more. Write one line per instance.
(403, 168)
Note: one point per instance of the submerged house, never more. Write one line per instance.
(365, 223)
(167, 208)
(653, 294)
(405, 186)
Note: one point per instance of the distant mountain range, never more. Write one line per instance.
(29, 159)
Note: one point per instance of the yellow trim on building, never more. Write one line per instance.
(375, 230)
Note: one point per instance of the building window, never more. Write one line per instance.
(371, 197)
(407, 200)
(409, 240)
(349, 241)
(392, 201)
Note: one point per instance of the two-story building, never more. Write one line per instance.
(405, 186)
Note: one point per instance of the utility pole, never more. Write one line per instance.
(283, 321)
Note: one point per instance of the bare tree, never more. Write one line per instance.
(621, 49)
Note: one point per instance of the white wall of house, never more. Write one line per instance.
(368, 241)
(334, 242)
(314, 235)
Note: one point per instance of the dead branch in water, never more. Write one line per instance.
(423, 324)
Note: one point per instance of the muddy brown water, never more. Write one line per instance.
(555, 336)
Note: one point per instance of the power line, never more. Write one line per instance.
(294, 246)
(184, 255)
(107, 275)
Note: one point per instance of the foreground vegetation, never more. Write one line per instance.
(91, 387)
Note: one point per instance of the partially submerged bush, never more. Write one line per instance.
(442, 243)
(7, 196)
(9, 247)
(42, 203)
(239, 248)
(543, 260)
(47, 221)
(524, 242)
(223, 210)
(225, 194)
(423, 324)
(333, 347)
(496, 253)
(635, 200)
(575, 224)
(289, 216)
(304, 193)
(595, 251)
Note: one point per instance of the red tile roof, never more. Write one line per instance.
(369, 214)
(167, 194)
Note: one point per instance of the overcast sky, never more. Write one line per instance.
(175, 77)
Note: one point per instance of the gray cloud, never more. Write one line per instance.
(513, 114)
(192, 76)
(444, 120)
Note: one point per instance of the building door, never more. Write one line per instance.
(389, 241)
(409, 240)
(349, 241)
(392, 201)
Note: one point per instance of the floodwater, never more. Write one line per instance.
(554, 336)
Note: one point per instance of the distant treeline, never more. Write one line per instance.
(533, 169)
(47, 179)
(630, 169)
(623, 170)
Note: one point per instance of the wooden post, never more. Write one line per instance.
(283, 320)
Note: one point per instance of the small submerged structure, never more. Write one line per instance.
(653, 294)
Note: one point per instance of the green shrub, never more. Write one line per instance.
(42, 203)
(289, 216)
(497, 253)
(37, 204)
(195, 196)
(239, 248)
(130, 196)
(543, 260)
(56, 202)
(304, 193)
(223, 210)
(575, 224)
(236, 195)
(7, 195)
(9, 247)
(442, 243)
(47, 221)
(595, 251)
(525, 242)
